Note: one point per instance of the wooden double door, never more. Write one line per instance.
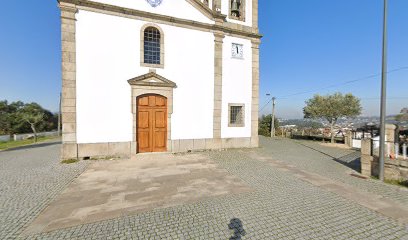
(151, 123)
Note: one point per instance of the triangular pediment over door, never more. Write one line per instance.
(153, 85)
(152, 79)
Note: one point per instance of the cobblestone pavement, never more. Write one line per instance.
(30, 178)
(281, 207)
(315, 158)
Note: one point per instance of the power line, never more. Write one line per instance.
(388, 98)
(340, 84)
(266, 105)
(345, 83)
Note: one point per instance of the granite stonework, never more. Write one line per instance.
(255, 93)
(394, 168)
(218, 42)
(128, 149)
(68, 95)
(71, 149)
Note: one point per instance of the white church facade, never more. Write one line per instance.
(158, 76)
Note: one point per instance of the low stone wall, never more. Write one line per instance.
(394, 169)
(18, 137)
(348, 139)
(5, 138)
(367, 168)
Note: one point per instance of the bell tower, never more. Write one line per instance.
(236, 10)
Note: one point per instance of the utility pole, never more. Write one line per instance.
(383, 93)
(273, 118)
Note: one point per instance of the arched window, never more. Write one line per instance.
(152, 46)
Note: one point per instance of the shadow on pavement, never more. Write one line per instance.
(238, 228)
(36, 145)
(351, 160)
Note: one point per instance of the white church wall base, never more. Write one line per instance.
(127, 149)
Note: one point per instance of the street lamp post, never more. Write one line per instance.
(383, 93)
(273, 118)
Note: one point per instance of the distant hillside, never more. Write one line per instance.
(402, 117)
(302, 123)
(347, 123)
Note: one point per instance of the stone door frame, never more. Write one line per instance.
(151, 83)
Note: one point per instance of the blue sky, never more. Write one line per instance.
(311, 44)
(307, 45)
(30, 58)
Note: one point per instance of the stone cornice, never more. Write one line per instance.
(211, 14)
(256, 43)
(152, 79)
(218, 36)
(68, 10)
(67, 7)
(226, 27)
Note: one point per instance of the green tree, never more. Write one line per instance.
(9, 122)
(4, 117)
(265, 123)
(18, 117)
(332, 107)
(33, 114)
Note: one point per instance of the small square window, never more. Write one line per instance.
(236, 115)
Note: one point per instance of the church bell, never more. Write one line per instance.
(235, 5)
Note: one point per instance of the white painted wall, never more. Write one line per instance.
(108, 54)
(356, 143)
(236, 86)
(248, 12)
(175, 8)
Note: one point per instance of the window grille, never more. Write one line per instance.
(152, 45)
(236, 115)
